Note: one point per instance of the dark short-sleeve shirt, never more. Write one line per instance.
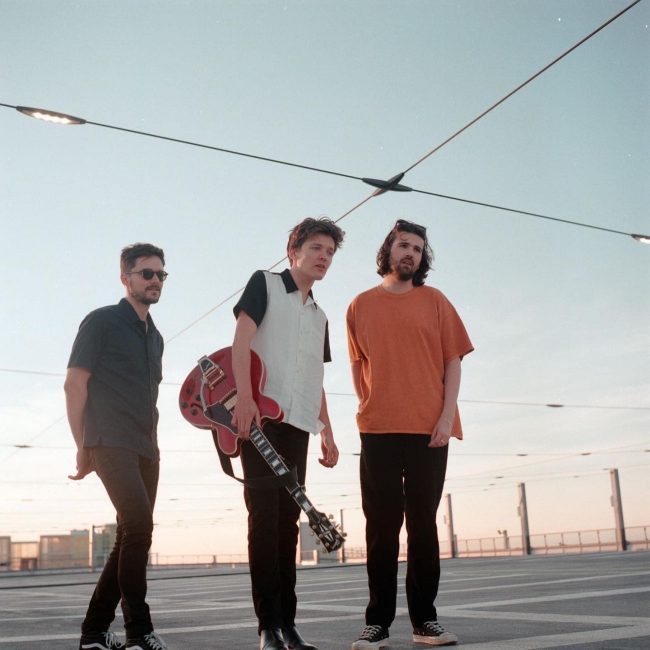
(125, 362)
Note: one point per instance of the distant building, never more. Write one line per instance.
(5, 553)
(64, 551)
(24, 556)
(102, 544)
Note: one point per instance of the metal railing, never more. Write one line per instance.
(581, 541)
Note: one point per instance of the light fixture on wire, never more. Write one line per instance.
(50, 116)
(390, 185)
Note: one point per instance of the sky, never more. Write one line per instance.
(557, 313)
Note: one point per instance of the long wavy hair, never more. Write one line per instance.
(383, 255)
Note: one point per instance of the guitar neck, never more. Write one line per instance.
(279, 467)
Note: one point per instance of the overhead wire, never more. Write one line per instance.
(341, 394)
(380, 191)
(392, 183)
(232, 295)
(522, 85)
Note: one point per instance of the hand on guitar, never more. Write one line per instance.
(243, 414)
(328, 448)
(84, 465)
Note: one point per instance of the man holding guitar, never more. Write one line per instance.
(279, 320)
(406, 343)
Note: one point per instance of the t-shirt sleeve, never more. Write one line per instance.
(455, 341)
(353, 346)
(254, 299)
(89, 343)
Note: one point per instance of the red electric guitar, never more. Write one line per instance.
(207, 398)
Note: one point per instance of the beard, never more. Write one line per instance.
(404, 272)
(145, 297)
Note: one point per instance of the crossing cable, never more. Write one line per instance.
(520, 86)
(393, 184)
(381, 185)
(386, 185)
(339, 394)
(232, 295)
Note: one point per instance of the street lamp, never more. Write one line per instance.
(50, 116)
(382, 186)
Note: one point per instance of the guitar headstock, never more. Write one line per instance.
(327, 533)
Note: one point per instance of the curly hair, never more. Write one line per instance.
(130, 255)
(309, 227)
(383, 255)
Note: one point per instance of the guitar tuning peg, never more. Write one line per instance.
(330, 517)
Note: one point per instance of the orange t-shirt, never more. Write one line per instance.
(402, 341)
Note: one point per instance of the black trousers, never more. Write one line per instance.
(401, 476)
(131, 482)
(273, 527)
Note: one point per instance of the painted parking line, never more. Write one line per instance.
(564, 639)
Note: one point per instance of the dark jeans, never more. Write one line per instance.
(400, 476)
(131, 482)
(273, 527)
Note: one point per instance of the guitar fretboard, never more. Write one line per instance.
(279, 467)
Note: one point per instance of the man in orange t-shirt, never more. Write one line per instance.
(406, 343)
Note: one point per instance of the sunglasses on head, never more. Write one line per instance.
(148, 274)
(409, 226)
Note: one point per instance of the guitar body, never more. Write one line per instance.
(208, 396)
(219, 394)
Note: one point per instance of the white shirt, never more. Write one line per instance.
(291, 339)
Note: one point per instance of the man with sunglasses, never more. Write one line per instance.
(111, 390)
(406, 343)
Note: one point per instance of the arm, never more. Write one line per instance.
(328, 446)
(245, 410)
(76, 396)
(355, 366)
(442, 431)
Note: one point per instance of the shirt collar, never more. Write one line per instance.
(126, 308)
(291, 286)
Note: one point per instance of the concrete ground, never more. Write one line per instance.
(580, 601)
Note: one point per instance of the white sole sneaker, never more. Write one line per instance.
(447, 638)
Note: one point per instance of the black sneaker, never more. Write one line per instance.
(149, 641)
(100, 641)
(432, 633)
(372, 636)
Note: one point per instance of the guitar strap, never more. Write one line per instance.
(259, 482)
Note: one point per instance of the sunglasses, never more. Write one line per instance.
(148, 274)
(409, 226)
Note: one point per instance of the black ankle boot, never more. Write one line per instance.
(294, 641)
(271, 639)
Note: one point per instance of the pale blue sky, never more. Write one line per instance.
(556, 313)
